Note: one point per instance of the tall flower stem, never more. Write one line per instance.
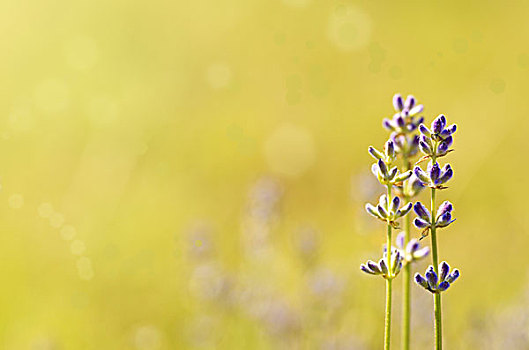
(437, 296)
(406, 302)
(389, 282)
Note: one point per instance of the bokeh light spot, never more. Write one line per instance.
(81, 52)
(77, 247)
(45, 210)
(16, 201)
(349, 28)
(102, 110)
(218, 75)
(52, 96)
(290, 150)
(460, 45)
(56, 220)
(497, 86)
(68, 232)
(147, 338)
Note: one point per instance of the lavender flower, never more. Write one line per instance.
(405, 120)
(381, 268)
(411, 251)
(388, 212)
(424, 218)
(434, 176)
(437, 141)
(435, 283)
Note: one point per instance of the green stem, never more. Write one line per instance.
(406, 284)
(389, 296)
(406, 303)
(387, 324)
(437, 296)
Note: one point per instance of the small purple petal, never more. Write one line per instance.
(422, 212)
(410, 102)
(444, 208)
(421, 175)
(453, 276)
(425, 131)
(386, 123)
(438, 124)
(366, 269)
(434, 171)
(400, 240)
(398, 102)
(421, 281)
(443, 286)
(444, 268)
(420, 223)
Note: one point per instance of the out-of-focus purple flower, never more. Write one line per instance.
(412, 251)
(437, 283)
(405, 120)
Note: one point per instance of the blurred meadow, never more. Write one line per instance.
(193, 174)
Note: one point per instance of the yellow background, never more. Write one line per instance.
(130, 128)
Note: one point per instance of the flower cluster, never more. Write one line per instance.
(437, 141)
(411, 251)
(388, 212)
(434, 283)
(434, 176)
(381, 268)
(383, 170)
(405, 120)
(442, 219)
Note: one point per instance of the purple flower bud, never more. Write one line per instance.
(442, 148)
(390, 149)
(405, 209)
(410, 102)
(443, 270)
(416, 110)
(431, 277)
(366, 269)
(412, 246)
(392, 173)
(383, 201)
(452, 128)
(438, 124)
(398, 103)
(400, 121)
(373, 266)
(395, 204)
(372, 211)
(421, 253)
(383, 168)
(425, 131)
(375, 153)
(420, 223)
(400, 240)
(443, 286)
(434, 171)
(421, 175)
(421, 281)
(453, 276)
(386, 123)
(382, 211)
(425, 148)
(444, 220)
(449, 140)
(444, 208)
(446, 175)
(383, 266)
(422, 212)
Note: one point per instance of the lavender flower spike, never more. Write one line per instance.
(437, 283)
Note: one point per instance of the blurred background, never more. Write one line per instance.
(192, 174)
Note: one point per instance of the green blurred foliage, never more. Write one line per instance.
(124, 125)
